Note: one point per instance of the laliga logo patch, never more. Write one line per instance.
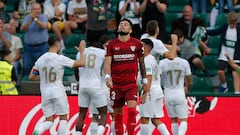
(133, 48)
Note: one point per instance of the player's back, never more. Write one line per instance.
(90, 75)
(51, 70)
(173, 73)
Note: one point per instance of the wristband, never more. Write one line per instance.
(107, 76)
(145, 81)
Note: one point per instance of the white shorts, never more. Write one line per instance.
(58, 106)
(152, 108)
(176, 107)
(93, 108)
(94, 95)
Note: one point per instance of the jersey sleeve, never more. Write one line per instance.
(148, 66)
(140, 50)
(65, 61)
(187, 68)
(109, 49)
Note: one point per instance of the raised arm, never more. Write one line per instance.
(172, 52)
(81, 48)
(232, 63)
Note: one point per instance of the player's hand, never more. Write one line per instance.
(143, 98)
(227, 55)
(174, 39)
(81, 46)
(109, 83)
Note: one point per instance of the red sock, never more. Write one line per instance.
(131, 122)
(119, 124)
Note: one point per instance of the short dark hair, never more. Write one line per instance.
(52, 40)
(178, 32)
(129, 21)
(4, 52)
(97, 45)
(148, 42)
(151, 27)
(104, 39)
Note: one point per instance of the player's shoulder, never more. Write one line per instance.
(183, 61)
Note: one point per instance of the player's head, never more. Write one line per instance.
(125, 27)
(232, 19)
(104, 39)
(54, 42)
(5, 54)
(97, 45)
(148, 45)
(152, 27)
(180, 35)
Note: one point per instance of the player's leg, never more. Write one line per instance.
(83, 102)
(174, 126)
(102, 118)
(49, 112)
(118, 114)
(236, 82)
(160, 126)
(62, 110)
(182, 114)
(144, 128)
(131, 97)
(94, 124)
(182, 129)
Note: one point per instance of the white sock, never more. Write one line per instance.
(93, 128)
(174, 128)
(224, 85)
(44, 126)
(163, 129)
(237, 92)
(100, 130)
(78, 133)
(62, 130)
(182, 128)
(144, 129)
(113, 128)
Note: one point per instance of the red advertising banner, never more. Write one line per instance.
(207, 116)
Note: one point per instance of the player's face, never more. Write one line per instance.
(124, 27)
(180, 40)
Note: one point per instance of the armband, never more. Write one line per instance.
(145, 81)
(107, 76)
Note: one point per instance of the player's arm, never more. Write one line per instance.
(143, 73)
(187, 83)
(81, 48)
(172, 52)
(232, 63)
(107, 70)
(34, 75)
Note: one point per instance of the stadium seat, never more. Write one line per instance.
(170, 17)
(221, 20)
(203, 17)
(201, 85)
(10, 4)
(68, 71)
(211, 64)
(177, 5)
(74, 40)
(214, 43)
(229, 78)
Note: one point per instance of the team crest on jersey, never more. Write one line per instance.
(133, 48)
(117, 48)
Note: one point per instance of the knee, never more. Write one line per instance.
(132, 112)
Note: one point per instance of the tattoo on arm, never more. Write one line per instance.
(142, 67)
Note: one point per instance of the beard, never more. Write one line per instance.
(121, 33)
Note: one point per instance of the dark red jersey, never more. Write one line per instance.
(124, 66)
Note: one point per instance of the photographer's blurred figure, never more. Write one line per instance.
(7, 73)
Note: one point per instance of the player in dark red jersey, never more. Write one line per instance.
(121, 67)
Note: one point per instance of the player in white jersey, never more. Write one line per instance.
(177, 80)
(159, 49)
(90, 87)
(104, 39)
(154, 97)
(49, 69)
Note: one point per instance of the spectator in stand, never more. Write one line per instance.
(97, 21)
(130, 9)
(3, 14)
(229, 4)
(154, 10)
(189, 51)
(36, 37)
(7, 73)
(230, 41)
(56, 15)
(5, 37)
(77, 16)
(16, 48)
(202, 3)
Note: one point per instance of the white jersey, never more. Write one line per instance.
(90, 75)
(229, 46)
(153, 70)
(158, 47)
(51, 69)
(173, 73)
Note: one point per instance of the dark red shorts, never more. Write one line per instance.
(119, 96)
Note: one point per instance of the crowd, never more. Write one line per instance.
(133, 61)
